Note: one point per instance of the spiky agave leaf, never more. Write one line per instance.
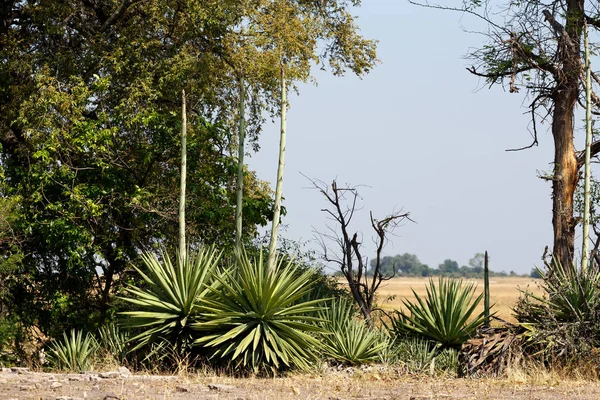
(75, 352)
(255, 316)
(114, 341)
(170, 302)
(445, 314)
(350, 340)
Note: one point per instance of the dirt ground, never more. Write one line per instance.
(25, 385)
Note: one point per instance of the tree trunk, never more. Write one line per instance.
(565, 177)
(565, 160)
(364, 308)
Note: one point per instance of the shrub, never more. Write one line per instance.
(114, 342)
(171, 301)
(74, 353)
(350, 340)
(9, 335)
(424, 356)
(564, 323)
(445, 315)
(253, 316)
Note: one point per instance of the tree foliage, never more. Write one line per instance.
(409, 265)
(89, 122)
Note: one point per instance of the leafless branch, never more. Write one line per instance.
(347, 247)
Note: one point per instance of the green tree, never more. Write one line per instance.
(448, 267)
(387, 266)
(476, 263)
(402, 265)
(89, 133)
(89, 123)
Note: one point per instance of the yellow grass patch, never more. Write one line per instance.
(504, 292)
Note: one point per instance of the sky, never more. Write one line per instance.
(423, 135)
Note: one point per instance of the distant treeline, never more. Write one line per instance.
(410, 265)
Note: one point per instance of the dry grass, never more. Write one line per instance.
(522, 382)
(504, 292)
(367, 385)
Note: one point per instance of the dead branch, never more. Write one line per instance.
(344, 249)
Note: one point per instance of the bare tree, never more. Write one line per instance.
(537, 46)
(343, 248)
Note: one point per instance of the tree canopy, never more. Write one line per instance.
(89, 131)
(409, 265)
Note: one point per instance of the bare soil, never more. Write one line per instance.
(24, 385)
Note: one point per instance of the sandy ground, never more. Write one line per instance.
(366, 386)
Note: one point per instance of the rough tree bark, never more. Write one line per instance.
(566, 169)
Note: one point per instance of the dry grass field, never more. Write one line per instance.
(504, 292)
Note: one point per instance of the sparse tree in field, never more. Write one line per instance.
(405, 265)
(449, 267)
(342, 247)
(536, 46)
(477, 262)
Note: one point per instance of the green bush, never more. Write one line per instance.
(9, 334)
(446, 314)
(349, 340)
(253, 316)
(170, 302)
(74, 353)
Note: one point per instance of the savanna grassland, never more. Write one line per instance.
(504, 292)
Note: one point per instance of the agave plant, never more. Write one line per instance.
(169, 304)
(114, 341)
(254, 316)
(74, 353)
(446, 314)
(571, 295)
(350, 340)
(564, 322)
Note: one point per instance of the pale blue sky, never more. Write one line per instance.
(425, 136)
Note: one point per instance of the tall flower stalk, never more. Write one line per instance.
(183, 178)
(280, 168)
(240, 173)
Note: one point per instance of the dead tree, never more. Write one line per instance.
(343, 248)
(536, 45)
